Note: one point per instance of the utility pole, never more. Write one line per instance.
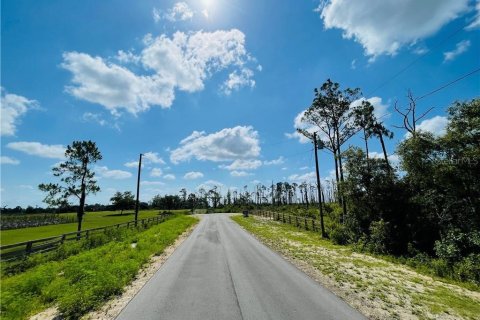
(138, 188)
(319, 186)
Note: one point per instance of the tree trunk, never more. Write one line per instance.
(366, 145)
(384, 152)
(339, 151)
(337, 176)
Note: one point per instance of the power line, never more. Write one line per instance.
(416, 60)
(448, 84)
(439, 89)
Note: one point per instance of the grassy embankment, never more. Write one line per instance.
(377, 287)
(90, 220)
(84, 281)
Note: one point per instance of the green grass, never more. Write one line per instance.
(377, 287)
(90, 220)
(83, 282)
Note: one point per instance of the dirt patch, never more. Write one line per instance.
(113, 307)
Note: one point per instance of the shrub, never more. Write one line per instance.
(378, 237)
(339, 234)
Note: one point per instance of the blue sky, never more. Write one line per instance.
(211, 90)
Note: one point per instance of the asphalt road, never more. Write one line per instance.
(222, 272)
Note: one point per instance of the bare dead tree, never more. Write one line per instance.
(409, 114)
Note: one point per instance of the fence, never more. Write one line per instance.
(19, 250)
(299, 222)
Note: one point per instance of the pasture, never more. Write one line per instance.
(90, 220)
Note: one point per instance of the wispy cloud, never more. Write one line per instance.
(460, 48)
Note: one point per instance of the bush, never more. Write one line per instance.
(339, 234)
(468, 269)
(456, 245)
(378, 237)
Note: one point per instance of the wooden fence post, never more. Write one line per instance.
(28, 250)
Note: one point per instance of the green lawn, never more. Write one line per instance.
(90, 220)
(380, 289)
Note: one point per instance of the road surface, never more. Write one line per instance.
(222, 272)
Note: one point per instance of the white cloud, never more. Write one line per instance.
(280, 160)
(26, 186)
(147, 158)
(299, 124)
(436, 125)
(169, 177)
(127, 57)
(228, 144)
(460, 48)
(392, 158)
(237, 80)
(306, 177)
(55, 151)
(192, 175)
(210, 184)
(131, 164)
(153, 157)
(12, 108)
(353, 64)
(114, 86)
(380, 110)
(236, 173)
(104, 172)
(157, 16)
(475, 24)
(156, 172)
(94, 117)
(184, 62)
(255, 181)
(179, 12)
(304, 168)
(152, 183)
(8, 160)
(241, 164)
(384, 26)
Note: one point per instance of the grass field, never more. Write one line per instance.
(379, 288)
(84, 281)
(90, 220)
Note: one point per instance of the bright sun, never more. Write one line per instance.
(207, 3)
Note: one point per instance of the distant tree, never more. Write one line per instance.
(214, 196)
(183, 196)
(76, 177)
(168, 202)
(330, 112)
(364, 119)
(123, 201)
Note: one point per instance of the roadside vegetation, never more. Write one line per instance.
(82, 275)
(377, 286)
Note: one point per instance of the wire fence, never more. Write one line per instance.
(298, 221)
